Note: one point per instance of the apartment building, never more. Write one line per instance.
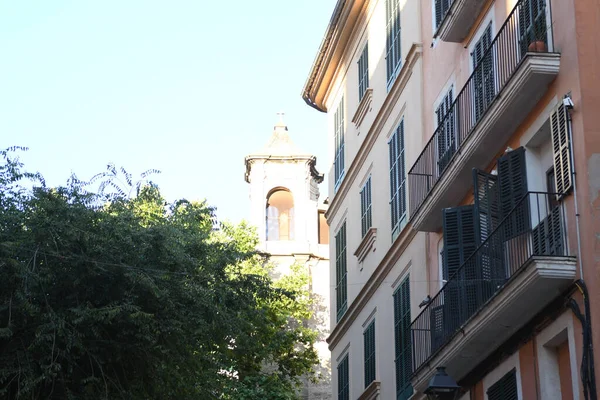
(486, 128)
(368, 77)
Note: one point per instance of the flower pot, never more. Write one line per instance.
(537, 46)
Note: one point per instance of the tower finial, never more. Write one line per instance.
(281, 114)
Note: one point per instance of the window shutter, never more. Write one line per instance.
(561, 150)
(341, 289)
(505, 388)
(512, 185)
(403, 343)
(460, 241)
(438, 13)
(460, 238)
(344, 379)
(490, 262)
(369, 353)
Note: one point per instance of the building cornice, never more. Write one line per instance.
(380, 119)
(311, 162)
(371, 286)
(328, 57)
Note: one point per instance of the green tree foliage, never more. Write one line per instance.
(107, 296)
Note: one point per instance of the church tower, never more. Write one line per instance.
(284, 205)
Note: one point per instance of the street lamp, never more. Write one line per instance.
(441, 386)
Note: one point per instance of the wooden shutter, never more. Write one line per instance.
(403, 343)
(446, 131)
(505, 388)
(490, 265)
(483, 68)
(341, 289)
(369, 353)
(512, 185)
(561, 150)
(460, 241)
(344, 379)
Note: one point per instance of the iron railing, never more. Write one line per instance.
(525, 31)
(534, 227)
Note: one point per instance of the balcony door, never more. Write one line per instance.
(484, 76)
(532, 25)
(446, 133)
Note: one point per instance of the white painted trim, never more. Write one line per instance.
(450, 83)
(440, 248)
(345, 351)
(402, 275)
(507, 365)
(365, 177)
(370, 318)
(552, 336)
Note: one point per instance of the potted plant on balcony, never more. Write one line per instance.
(538, 37)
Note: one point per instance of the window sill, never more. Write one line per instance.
(371, 392)
(366, 244)
(363, 108)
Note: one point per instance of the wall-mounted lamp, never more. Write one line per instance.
(442, 386)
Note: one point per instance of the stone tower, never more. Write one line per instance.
(284, 205)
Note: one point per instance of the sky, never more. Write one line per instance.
(189, 87)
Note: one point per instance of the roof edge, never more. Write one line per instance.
(326, 44)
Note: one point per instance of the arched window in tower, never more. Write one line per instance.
(280, 215)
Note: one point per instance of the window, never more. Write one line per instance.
(512, 186)
(341, 288)
(369, 341)
(338, 125)
(280, 215)
(392, 48)
(484, 84)
(446, 130)
(365, 207)
(441, 8)
(323, 229)
(505, 388)
(363, 72)
(532, 24)
(343, 379)
(403, 350)
(561, 152)
(397, 179)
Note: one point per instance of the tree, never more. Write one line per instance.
(106, 296)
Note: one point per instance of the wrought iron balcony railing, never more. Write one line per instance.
(525, 32)
(534, 227)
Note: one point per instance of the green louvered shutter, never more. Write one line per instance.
(561, 151)
(512, 186)
(505, 388)
(460, 241)
(403, 343)
(490, 264)
(344, 379)
(341, 288)
(369, 352)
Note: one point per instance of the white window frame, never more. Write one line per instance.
(403, 218)
(504, 368)
(339, 152)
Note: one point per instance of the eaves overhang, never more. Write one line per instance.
(330, 52)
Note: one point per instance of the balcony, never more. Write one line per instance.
(511, 76)
(518, 270)
(454, 18)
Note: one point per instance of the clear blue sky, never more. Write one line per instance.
(187, 86)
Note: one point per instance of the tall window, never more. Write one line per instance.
(369, 342)
(446, 130)
(392, 48)
(397, 179)
(441, 8)
(343, 379)
(403, 349)
(338, 125)
(365, 207)
(280, 215)
(363, 72)
(341, 287)
(483, 71)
